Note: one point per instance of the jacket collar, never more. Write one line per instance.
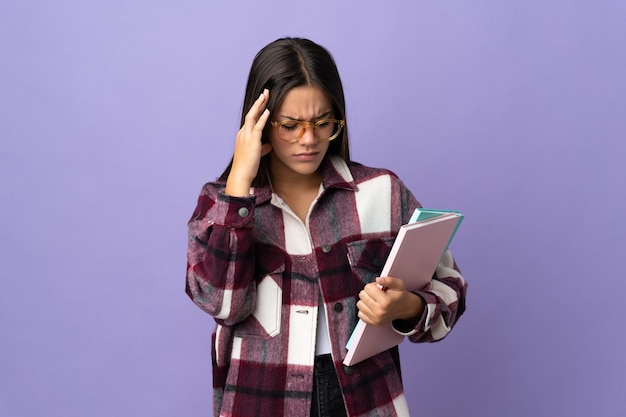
(336, 174)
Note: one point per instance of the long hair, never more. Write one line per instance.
(286, 64)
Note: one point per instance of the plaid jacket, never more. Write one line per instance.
(258, 270)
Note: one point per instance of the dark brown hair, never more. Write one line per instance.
(286, 64)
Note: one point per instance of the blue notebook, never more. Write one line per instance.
(425, 213)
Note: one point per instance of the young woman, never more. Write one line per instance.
(285, 248)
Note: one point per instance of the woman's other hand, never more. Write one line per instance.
(386, 300)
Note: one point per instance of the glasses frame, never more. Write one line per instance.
(305, 125)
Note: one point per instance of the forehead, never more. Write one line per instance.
(304, 103)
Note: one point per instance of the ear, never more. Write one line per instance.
(265, 149)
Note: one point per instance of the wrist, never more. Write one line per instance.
(413, 308)
(237, 187)
(406, 323)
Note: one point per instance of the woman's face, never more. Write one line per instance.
(303, 157)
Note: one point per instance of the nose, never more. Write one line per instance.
(308, 136)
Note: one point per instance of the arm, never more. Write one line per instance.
(424, 316)
(220, 256)
(445, 302)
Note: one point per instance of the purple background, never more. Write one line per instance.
(114, 113)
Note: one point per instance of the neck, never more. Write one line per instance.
(286, 184)
(285, 187)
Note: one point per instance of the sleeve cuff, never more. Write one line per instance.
(409, 328)
(403, 327)
(235, 211)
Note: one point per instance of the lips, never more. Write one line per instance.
(306, 156)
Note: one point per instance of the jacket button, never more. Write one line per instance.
(327, 248)
(243, 212)
(338, 307)
(348, 369)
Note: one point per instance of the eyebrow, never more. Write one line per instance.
(320, 117)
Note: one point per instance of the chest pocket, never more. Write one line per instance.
(265, 320)
(367, 257)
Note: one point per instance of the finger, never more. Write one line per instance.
(365, 317)
(256, 109)
(374, 290)
(376, 304)
(368, 315)
(391, 283)
(363, 295)
(369, 293)
(260, 124)
(364, 309)
(381, 283)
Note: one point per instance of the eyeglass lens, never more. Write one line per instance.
(292, 131)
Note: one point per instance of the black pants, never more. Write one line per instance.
(327, 400)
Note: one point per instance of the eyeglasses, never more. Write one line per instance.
(324, 130)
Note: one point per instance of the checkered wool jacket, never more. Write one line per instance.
(259, 271)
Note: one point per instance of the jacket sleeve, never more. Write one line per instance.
(445, 302)
(220, 255)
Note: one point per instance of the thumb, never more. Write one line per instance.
(390, 283)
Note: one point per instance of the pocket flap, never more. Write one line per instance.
(370, 254)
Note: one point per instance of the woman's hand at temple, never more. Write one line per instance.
(249, 149)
